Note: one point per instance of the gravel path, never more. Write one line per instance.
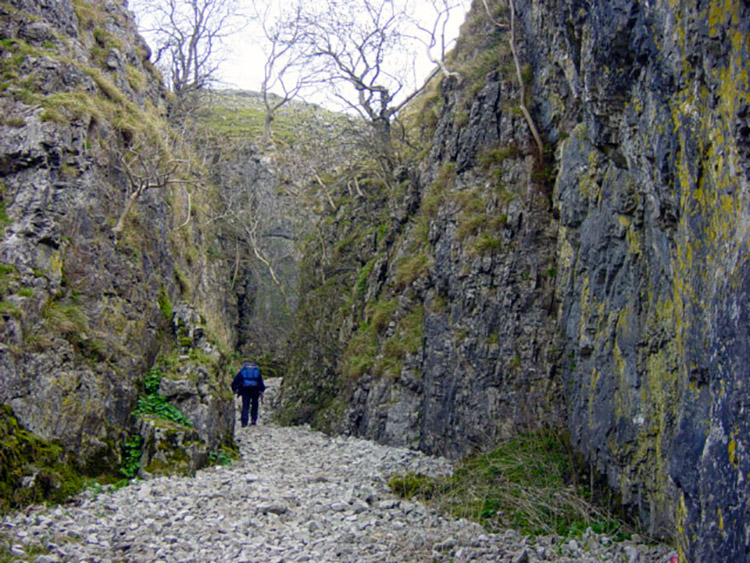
(297, 495)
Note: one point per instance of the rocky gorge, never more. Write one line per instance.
(596, 283)
(296, 495)
(591, 280)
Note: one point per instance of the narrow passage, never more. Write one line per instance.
(297, 495)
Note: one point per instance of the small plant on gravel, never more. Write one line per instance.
(221, 457)
(411, 485)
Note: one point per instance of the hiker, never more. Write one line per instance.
(248, 383)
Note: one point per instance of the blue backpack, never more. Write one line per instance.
(250, 377)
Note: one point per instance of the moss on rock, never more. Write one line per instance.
(32, 470)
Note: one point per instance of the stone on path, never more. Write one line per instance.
(297, 495)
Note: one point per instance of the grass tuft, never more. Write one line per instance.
(527, 484)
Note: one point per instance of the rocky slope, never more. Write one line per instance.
(87, 291)
(601, 285)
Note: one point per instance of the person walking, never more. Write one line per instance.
(248, 384)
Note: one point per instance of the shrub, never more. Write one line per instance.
(221, 457)
(364, 272)
(165, 305)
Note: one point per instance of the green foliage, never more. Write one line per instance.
(158, 406)
(182, 281)
(106, 39)
(492, 157)
(408, 336)
(436, 193)
(527, 73)
(154, 404)
(15, 121)
(222, 457)
(359, 356)
(364, 272)
(9, 309)
(88, 14)
(4, 219)
(493, 338)
(65, 318)
(165, 305)
(470, 224)
(486, 243)
(484, 61)
(131, 457)
(32, 470)
(446, 176)
(527, 483)
(152, 381)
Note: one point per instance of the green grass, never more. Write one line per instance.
(65, 318)
(364, 273)
(527, 484)
(491, 157)
(9, 309)
(239, 115)
(410, 268)
(165, 305)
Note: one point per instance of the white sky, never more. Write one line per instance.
(242, 64)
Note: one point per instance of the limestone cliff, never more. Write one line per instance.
(86, 302)
(602, 284)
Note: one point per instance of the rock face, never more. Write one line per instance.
(603, 284)
(85, 309)
(651, 193)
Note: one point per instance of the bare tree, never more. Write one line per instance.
(250, 209)
(357, 43)
(187, 35)
(519, 74)
(435, 38)
(287, 69)
(366, 49)
(147, 166)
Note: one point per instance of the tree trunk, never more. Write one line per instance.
(266, 137)
(118, 228)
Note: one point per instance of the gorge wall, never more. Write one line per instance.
(86, 306)
(489, 290)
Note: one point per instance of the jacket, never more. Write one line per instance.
(249, 378)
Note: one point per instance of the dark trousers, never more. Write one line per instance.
(249, 397)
